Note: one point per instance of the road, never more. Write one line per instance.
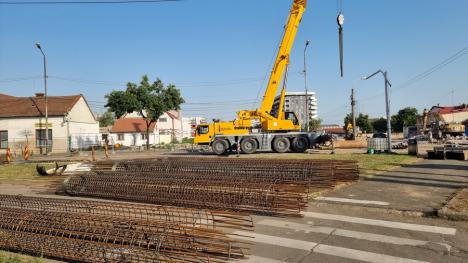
(338, 234)
(383, 218)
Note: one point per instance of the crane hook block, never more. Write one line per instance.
(340, 21)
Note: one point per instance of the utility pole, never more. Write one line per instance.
(387, 104)
(353, 112)
(306, 126)
(38, 45)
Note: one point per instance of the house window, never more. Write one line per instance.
(3, 139)
(144, 136)
(120, 137)
(162, 119)
(41, 138)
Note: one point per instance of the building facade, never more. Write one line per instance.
(71, 124)
(130, 130)
(305, 107)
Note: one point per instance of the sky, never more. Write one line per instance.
(219, 52)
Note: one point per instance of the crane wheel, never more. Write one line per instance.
(249, 145)
(219, 146)
(281, 145)
(300, 144)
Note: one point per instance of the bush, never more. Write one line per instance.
(187, 140)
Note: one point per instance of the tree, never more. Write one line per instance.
(362, 121)
(106, 119)
(380, 125)
(150, 100)
(314, 124)
(404, 118)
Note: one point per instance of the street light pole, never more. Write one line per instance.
(306, 126)
(387, 105)
(38, 45)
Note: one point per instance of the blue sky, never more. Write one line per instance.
(218, 51)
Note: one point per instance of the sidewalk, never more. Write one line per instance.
(420, 189)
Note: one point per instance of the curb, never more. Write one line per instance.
(448, 214)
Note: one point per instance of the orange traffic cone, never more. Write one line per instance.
(26, 152)
(8, 156)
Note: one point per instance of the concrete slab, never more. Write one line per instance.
(422, 187)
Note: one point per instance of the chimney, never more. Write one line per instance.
(39, 95)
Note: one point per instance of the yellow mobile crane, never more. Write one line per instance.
(258, 129)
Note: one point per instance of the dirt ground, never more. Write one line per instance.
(459, 203)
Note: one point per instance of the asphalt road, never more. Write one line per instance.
(372, 221)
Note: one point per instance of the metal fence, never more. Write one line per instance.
(76, 142)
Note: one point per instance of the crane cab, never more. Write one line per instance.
(204, 134)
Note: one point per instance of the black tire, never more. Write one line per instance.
(300, 144)
(249, 145)
(281, 144)
(219, 146)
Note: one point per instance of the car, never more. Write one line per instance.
(379, 135)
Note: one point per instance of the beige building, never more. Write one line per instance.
(71, 123)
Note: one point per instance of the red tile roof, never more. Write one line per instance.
(449, 110)
(11, 106)
(131, 125)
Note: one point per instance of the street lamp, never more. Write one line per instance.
(306, 126)
(387, 104)
(38, 45)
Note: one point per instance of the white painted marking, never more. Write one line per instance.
(353, 201)
(383, 223)
(347, 233)
(297, 227)
(255, 259)
(362, 255)
(272, 240)
(323, 249)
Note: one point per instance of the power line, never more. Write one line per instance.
(462, 52)
(19, 79)
(85, 2)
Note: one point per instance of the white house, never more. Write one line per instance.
(130, 130)
(71, 123)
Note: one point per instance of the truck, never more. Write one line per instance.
(261, 129)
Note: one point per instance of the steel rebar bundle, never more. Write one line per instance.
(94, 231)
(193, 190)
(260, 186)
(316, 173)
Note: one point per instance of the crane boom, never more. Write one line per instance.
(258, 129)
(282, 59)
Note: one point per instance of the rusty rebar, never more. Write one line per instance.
(94, 231)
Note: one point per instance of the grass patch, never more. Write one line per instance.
(8, 257)
(21, 172)
(374, 162)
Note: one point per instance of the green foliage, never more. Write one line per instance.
(380, 125)
(314, 124)
(150, 100)
(362, 121)
(405, 117)
(187, 140)
(6, 257)
(106, 119)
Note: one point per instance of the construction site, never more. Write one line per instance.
(272, 185)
